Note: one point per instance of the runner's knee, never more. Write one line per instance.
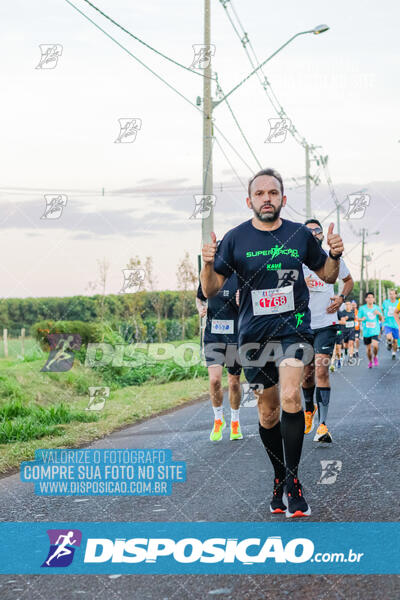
(215, 381)
(268, 415)
(290, 398)
(234, 383)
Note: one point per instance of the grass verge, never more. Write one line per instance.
(35, 394)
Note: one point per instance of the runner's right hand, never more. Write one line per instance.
(202, 311)
(209, 250)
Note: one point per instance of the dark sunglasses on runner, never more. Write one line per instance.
(316, 230)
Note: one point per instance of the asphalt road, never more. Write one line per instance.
(231, 481)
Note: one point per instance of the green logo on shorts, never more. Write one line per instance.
(299, 317)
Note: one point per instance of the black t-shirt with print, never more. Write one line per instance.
(221, 307)
(350, 319)
(265, 260)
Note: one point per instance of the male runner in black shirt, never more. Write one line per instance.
(220, 344)
(274, 318)
(348, 323)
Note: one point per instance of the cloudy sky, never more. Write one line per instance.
(59, 126)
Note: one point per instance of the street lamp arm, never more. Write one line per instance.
(261, 65)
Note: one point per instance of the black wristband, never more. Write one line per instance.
(334, 257)
(343, 296)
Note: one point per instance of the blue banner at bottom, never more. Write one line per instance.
(199, 548)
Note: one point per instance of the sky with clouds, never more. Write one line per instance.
(59, 128)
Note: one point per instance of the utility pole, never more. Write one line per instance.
(207, 225)
(363, 232)
(308, 182)
(380, 288)
(338, 218)
(209, 105)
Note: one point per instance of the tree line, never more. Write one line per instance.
(132, 308)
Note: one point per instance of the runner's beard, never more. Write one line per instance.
(268, 217)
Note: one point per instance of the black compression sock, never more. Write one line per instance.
(308, 394)
(292, 428)
(318, 399)
(272, 440)
(323, 395)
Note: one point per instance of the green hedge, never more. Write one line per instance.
(116, 333)
(16, 313)
(89, 332)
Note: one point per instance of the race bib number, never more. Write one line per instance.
(317, 285)
(273, 301)
(222, 326)
(349, 324)
(370, 325)
(390, 312)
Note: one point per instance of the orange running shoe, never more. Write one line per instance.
(216, 433)
(309, 420)
(323, 435)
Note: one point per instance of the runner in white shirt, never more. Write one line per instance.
(323, 305)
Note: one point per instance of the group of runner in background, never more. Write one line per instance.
(370, 322)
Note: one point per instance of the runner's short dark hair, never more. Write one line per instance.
(271, 173)
(368, 293)
(313, 221)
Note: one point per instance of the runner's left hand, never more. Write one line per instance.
(237, 297)
(337, 302)
(335, 242)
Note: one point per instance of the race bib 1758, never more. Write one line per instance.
(222, 326)
(273, 301)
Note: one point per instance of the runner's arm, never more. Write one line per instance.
(396, 315)
(348, 285)
(201, 307)
(211, 282)
(330, 271)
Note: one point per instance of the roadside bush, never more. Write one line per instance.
(89, 332)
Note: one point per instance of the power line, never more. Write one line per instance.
(156, 75)
(219, 90)
(230, 164)
(133, 56)
(173, 87)
(254, 61)
(178, 64)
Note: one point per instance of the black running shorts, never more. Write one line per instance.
(261, 364)
(219, 353)
(368, 340)
(325, 339)
(349, 335)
